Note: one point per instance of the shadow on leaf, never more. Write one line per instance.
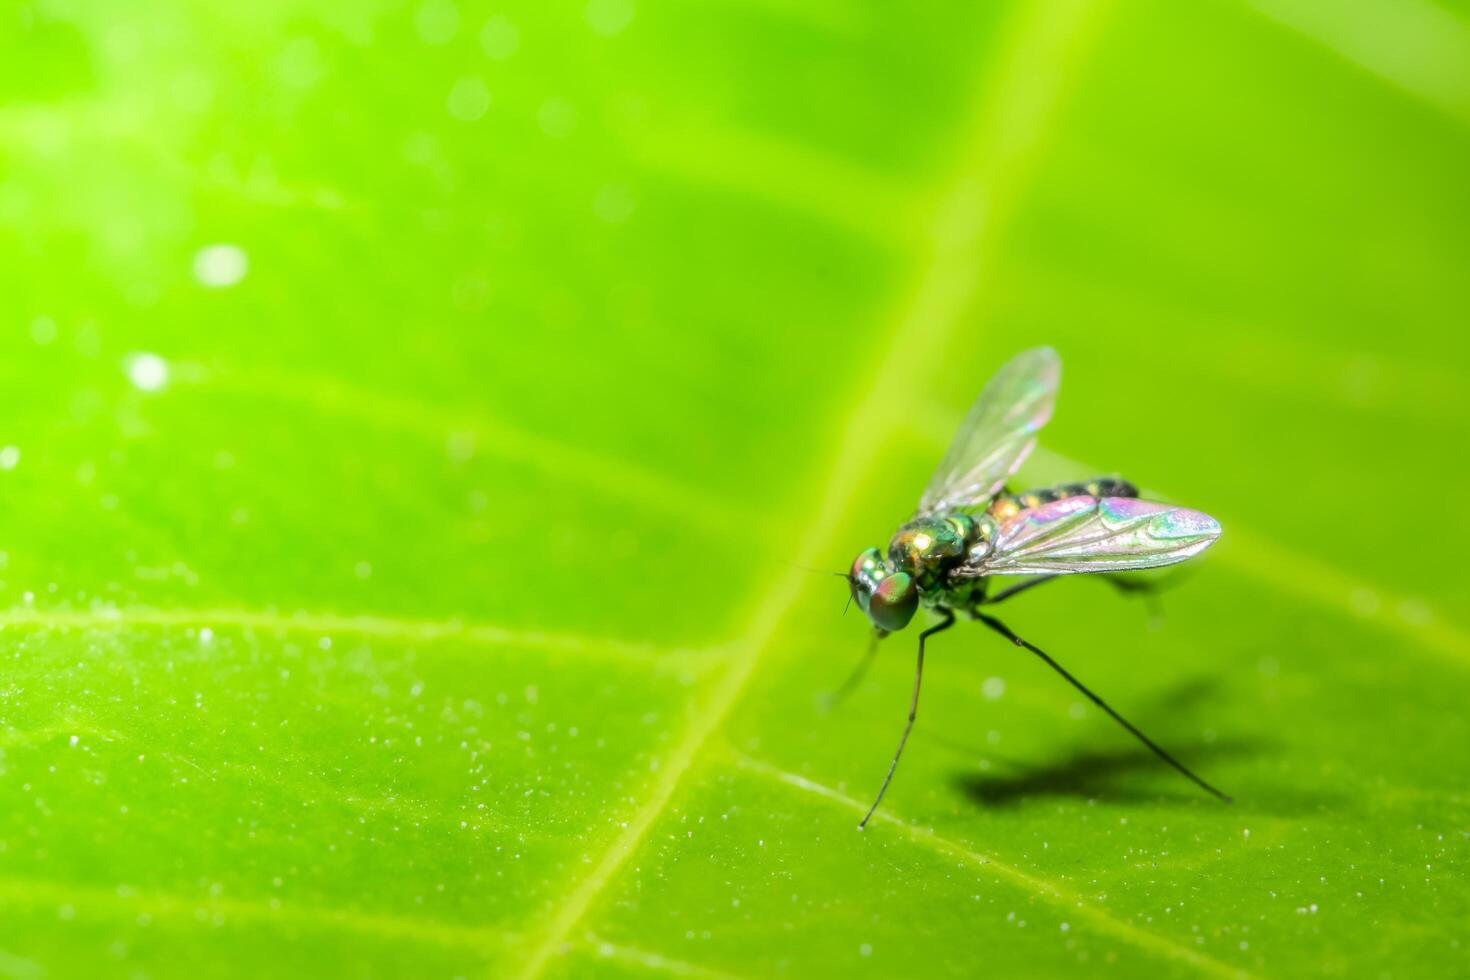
(1098, 775)
(1106, 774)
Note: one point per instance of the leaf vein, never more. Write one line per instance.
(656, 962)
(125, 900)
(1412, 44)
(607, 474)
(370, 626)
(1042, 887)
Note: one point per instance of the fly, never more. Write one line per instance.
(968, 528)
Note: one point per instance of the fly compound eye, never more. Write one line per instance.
(894, 602)
(863, 578)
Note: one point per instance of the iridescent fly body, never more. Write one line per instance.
(968, 529)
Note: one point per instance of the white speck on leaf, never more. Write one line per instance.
(220, 266)
(1415, 613)
(469, 99)
(499, 38)
(437, 21)
(613, 203)
(557, 117)
(43, 330)
(301, 65)
(146, 372)
(609, 17)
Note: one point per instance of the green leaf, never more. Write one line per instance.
(426, 428)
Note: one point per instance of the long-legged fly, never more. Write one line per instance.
(968, 528)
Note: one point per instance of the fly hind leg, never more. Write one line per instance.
(1066, 675)
(1148, 590)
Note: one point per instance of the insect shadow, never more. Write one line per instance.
(1103, 774)
(1092, 775)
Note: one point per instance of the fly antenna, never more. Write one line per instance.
(913, 710)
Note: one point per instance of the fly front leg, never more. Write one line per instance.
(913, 708)
(834, 698)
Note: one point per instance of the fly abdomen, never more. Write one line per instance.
(1008, 505)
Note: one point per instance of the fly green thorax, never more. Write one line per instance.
(927, 547)
(920, 556)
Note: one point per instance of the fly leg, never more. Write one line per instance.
(1016, 589)
(834, 698)
(1147, 589)
(913, 708)
(1005, 631)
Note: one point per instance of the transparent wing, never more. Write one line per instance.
(1088, 534)
(998, 434)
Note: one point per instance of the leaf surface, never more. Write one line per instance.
(421, 423)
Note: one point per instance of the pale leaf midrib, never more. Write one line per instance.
(992, 163)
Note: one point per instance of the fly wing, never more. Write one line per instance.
(998, 433)
(1091, 534)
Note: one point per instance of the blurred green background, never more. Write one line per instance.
(420, 422)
